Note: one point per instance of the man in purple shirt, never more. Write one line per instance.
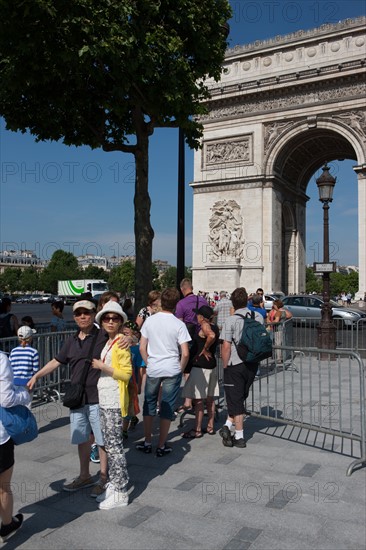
(184, 312)
(185, 306)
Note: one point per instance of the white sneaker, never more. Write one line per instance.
(108, 490)
(114, 500)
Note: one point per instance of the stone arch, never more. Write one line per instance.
(325, 139)
(292, 159)
(277, 114)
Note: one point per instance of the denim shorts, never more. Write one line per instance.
(83, 421)
(169, 394)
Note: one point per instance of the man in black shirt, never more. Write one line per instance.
(85, 419)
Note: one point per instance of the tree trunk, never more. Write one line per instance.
(144, 233)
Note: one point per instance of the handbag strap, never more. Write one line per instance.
(110, 347)
(88, 360)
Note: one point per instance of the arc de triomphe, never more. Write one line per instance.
(282, 108)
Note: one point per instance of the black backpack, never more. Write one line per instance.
(5, 326)
(255, 342)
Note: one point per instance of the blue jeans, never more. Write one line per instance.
(170, 389)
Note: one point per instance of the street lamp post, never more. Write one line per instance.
(326, 329)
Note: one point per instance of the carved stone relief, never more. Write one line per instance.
(226, 231)
(225, 151)
(355, 120)
(273, 131)
(284, 100)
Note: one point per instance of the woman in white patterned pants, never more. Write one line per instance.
(115, 372)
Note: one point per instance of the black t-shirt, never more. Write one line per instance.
(75, 352)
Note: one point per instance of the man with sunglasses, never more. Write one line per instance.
(85, 419)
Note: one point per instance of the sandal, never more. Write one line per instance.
(192, 434)
(183, 409)
(209, 431)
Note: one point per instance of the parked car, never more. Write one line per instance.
(47, 298)
(309, 307)
(268, 301)
(36, 299)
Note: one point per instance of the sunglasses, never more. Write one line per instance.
(114, 319)
(78, 313)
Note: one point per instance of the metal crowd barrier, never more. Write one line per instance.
(350, 338)
(315, 394)
(50, 387)
(41, 328)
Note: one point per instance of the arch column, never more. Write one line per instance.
(290, 262)
(361, 175)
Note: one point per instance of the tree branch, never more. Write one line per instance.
(108, 147)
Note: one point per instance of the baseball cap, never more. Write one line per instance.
(25, 332)
(83, 304)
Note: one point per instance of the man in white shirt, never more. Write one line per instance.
(164, 349)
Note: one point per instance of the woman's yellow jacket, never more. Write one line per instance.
(122, 372)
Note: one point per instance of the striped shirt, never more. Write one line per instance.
(25, 363)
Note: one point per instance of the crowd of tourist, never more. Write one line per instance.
(172, 340)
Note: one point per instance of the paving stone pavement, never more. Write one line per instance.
(283, 491)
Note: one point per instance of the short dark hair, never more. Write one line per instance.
(4, 304)
(260, 290)
(169, 299)
(256, 300)
(58, 304)
(239, 297)
(27, 320)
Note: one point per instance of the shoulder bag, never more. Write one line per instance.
(20, 423)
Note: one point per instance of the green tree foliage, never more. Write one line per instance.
(94, 272)
(339, 282)
(96, 73)
(156, 282)
(342, 282)
(62, 266)
(353, 282)
(169, 278)
(313, 283)
(9, 280)
(29, 280)
(122, 278)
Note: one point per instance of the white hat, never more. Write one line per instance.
(83, 304)
(111, 307)
(26, 332)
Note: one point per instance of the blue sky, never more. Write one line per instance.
(53, 196)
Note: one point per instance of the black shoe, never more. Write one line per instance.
(227, 439)
(7, 531)
(240, 443)
(133, 422)
(164, 451)
(147, 449)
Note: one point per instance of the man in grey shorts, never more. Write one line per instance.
(85, 419)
